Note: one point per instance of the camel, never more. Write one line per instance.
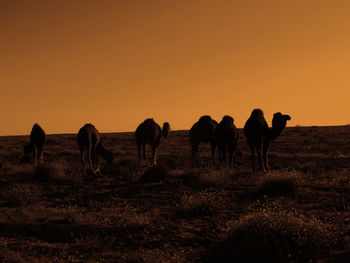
(90, 143)
(226, 135)
(149, 132)
(259, 135)
(36, 145)
(203, 131)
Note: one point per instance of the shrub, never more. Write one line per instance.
(201, 203)
(216, 178)
(275, 235)
(278, 183)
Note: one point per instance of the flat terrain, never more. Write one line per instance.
(298, 211)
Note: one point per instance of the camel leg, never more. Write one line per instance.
(221, 155)
(89, 157)
(95, 162)
(213, 146)
(154, 153)
(194, 156)
(260, 159)
(82, 154)
(224, 156)
(265, 157)
(230, 155)
(41, 157)
(144, 154)
(253, 157)
(233, 160)
(36, 158)
(139, 153)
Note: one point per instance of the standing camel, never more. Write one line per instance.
(203, 131)
(226, 135)
(149, 132)
(259, 135)
(90, 143)
(36, 145)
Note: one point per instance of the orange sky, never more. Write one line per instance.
(115, 63)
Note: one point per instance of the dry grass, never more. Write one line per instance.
(201, 203)
(276, 234)
(279, 183)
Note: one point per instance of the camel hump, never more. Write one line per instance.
(88, 126)
(148, 125)
(37, 135)
(205, 119)
(37, 129)
(257, 113)
(149, 121)
(227, 119)
(88, 130)
(36, 126)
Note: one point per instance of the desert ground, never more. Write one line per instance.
(297, 212)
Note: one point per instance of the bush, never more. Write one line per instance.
(278, 183)
(201, 203)
(275, 235)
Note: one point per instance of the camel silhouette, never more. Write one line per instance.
(259, 135)
(90, 143)
(149, 132)
(203, 131)
(36, 145)
(226, 135)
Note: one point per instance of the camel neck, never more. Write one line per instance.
(275, 132)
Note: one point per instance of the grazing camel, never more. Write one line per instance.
(90, 142)
(203, 131)
(149, 132)
(36, 145)
(259, 135)
(226, 135)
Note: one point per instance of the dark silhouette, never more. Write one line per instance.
(90, 142)
(203, 131)
(259, 135)
(226, 135)
(149, 132)
(36, 145)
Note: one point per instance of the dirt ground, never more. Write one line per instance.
(298, 211)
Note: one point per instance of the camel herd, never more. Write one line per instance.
(223, 136)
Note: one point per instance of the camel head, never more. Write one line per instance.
(166, 129)
(28, 149)
(279, 122)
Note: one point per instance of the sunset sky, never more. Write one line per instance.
(115, 63)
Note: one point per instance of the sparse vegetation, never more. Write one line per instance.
(275, 234)
(201, 203)
(278, 183)
(298, 211)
